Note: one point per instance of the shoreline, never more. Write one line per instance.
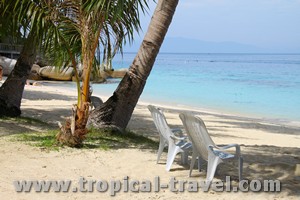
(267, 120)
(68, 86)
(214, 111)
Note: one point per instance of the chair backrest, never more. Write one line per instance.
(197, 133)
(160, 122)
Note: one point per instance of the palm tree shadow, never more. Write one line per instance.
(267, 163)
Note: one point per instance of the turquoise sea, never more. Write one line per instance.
(254, 85)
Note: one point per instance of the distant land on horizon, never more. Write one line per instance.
(186, 45)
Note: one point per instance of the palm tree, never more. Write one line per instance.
(71, 30)
(96, 19)
(117, 110)
(12, 89)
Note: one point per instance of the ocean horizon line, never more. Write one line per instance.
(295, 53)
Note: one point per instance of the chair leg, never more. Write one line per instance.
(199, 163)
(172, 152)
(194, 157)
(212, 164)
(160, 150)
(240, 165)
(184, 157)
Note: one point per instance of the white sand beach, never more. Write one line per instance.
(270, 151)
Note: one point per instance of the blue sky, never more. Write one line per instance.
(268, 24)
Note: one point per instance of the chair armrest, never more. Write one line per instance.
(227, 146)
(178, 138)
(178, 134)
(177, 131)
(237, 148)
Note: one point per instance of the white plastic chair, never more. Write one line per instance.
(168, 138)
(204, 147)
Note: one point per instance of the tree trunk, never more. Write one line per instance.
(11, 91)
(74, 131)
(117, 110)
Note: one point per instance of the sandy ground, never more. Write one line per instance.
(270, 151)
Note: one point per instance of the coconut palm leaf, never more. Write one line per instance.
(69, 31)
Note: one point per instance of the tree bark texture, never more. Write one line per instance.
(117, 110)
(11, 91)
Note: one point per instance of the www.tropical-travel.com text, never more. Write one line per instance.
(155, 185)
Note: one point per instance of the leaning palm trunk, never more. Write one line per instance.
(12, 90)
(117, 110)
